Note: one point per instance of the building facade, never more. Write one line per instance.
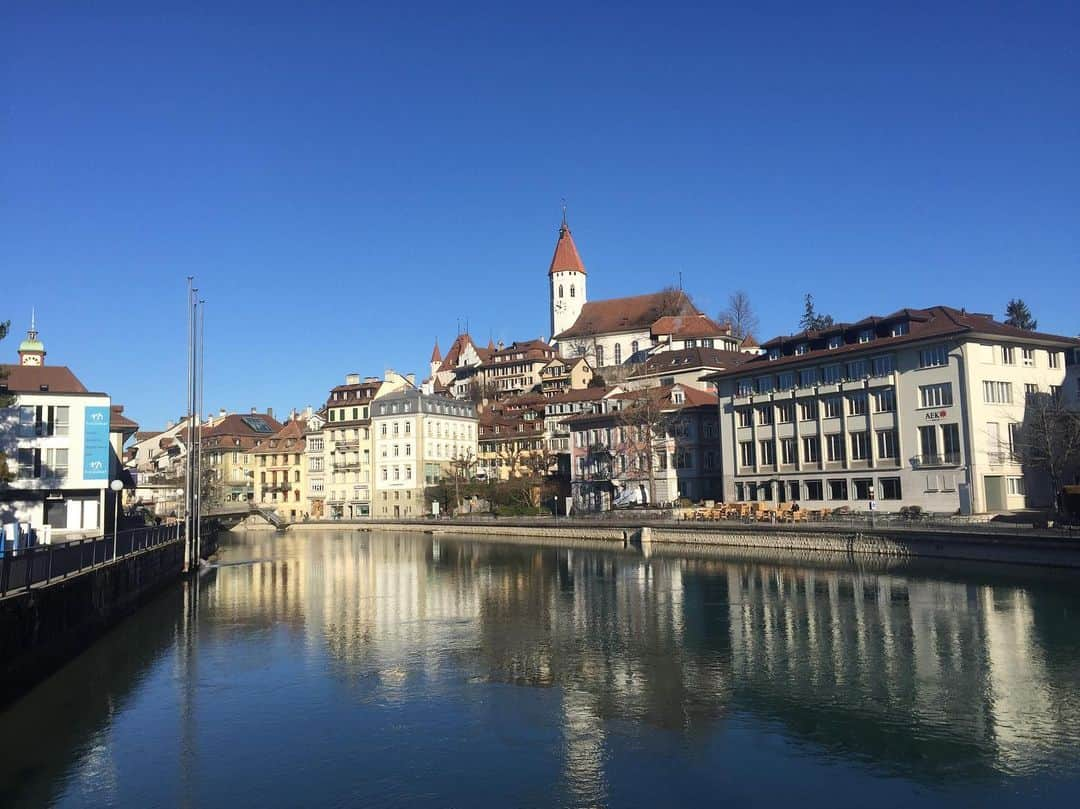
(918, 408)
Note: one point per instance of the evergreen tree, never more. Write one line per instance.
(811, 320)
(1017, 314)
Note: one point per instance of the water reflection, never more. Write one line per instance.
(944, 676)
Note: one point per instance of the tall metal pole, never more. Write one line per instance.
(187, 406)
(199, 396)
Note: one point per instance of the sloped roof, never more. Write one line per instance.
(698, 325)
(436, 356)
(566, 256)
(689, 359)
(119, 423)
(30, 378)
(635, 313)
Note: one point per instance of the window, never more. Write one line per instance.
(834, 447)
(933, 357)
(560, 290)
(60, 421)
(860, 446)
(786, 381)
(29, 463)
(1054, 359)
(807, 409)
(1016, 486)
(774, 354)
(997, 392)
(1008, 355)
(56, 463)
(1055, 392)
(764, 384)
(811, 447)
(890, 488)
(765, 415)
(746, 417)
(788, 453)
(832, 407)
(866, 335)
(864, 488)
(793, 488)
(899, 329)
(832, 373)
(814, 490)
(939, 395)
(881, 366)
(740, 491)
(856, 369)
(857, 405)
(633, 349)
(950, 442)
(746, 449)
(885, 400)
(618, 353)
(744, 387)
(785, 412)
(928, 447)
(1030, 390)
(838, 490)
(886, 443)
(801, 349)
(599, 349)
(1014, 439)
(571, 290)
(1028, 356)
(836, 341)
(768, 456)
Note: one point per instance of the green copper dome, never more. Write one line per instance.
(32, 345)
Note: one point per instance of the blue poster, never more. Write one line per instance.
(96, 444)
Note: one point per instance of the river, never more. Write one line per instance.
(385, 669)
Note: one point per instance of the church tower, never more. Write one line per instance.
(567, 279)
(32, 350)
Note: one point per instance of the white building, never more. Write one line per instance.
(418, 439)
(62, 448)
(920, 407)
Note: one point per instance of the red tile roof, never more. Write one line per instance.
(30, 378)
(119, 423)
(698, 325)
(435, 355)
(635, 313)
(566, 256)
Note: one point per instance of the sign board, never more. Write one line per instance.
(434, 508)
(873, 505)
(96, 444)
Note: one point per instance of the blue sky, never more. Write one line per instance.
(347, 180)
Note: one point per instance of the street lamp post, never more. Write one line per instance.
(117, 486)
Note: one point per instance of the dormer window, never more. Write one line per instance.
(836, 341)
(866, 335)
(774, 353)
(801, 349)
(900, 329)
(677, 397)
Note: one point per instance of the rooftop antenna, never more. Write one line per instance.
(564, 212)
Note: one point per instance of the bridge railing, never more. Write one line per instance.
(42, 564)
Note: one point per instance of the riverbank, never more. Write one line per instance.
(1018, 548)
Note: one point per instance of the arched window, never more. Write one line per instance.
(571, 290)
(633, 349)
(599, 352)
(618, 353)
(560, 290)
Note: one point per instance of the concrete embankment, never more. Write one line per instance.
(42, 628)
(807, 541)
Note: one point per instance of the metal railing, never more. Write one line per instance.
(942, 459)
(41, 564)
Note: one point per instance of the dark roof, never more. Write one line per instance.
(30, 378)
(636, 313)
(119, 423)
(689, 359)
(693, 397)
(238, 428)
(933, 322)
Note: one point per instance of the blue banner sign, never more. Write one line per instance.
(96, 444)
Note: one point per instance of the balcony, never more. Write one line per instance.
(931, 461)
(347, 466)
(279, 486)
(353, 443)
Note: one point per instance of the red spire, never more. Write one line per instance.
(436, 356)
(566, 255)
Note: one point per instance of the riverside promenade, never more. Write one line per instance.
(982, 542)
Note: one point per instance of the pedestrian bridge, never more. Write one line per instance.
(234, 513)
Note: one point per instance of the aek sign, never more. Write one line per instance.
(936, 415)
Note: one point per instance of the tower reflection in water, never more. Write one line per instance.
(912, 671)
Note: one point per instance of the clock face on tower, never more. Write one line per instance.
(31, 359)
(559, 306)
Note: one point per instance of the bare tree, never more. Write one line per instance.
(1049, 440)
(645, 416)
(740, 315)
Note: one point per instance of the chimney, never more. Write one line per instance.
(500, 345)
(270, 412)
(308, 412)
(253, 411)
(221, 412)
(352, 379)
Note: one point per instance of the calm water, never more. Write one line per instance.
(345, 669)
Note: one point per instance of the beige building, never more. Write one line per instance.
(920, 407)
(418, 441)
(514, 368)
(280, 482)
(512, 440)
(561, 375)
(228, 443)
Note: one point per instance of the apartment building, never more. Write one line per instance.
(63, 445)
(280, 481)
(315, 463)
(515, 368)
(418, 439)
(228, 442)
(346, 447)
(562, 375)
(511, 441)
(683, 366)
(920, 407)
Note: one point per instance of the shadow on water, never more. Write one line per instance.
(944, 675)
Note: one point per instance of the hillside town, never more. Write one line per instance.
(636, 401)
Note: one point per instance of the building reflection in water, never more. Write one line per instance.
(909, 670)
